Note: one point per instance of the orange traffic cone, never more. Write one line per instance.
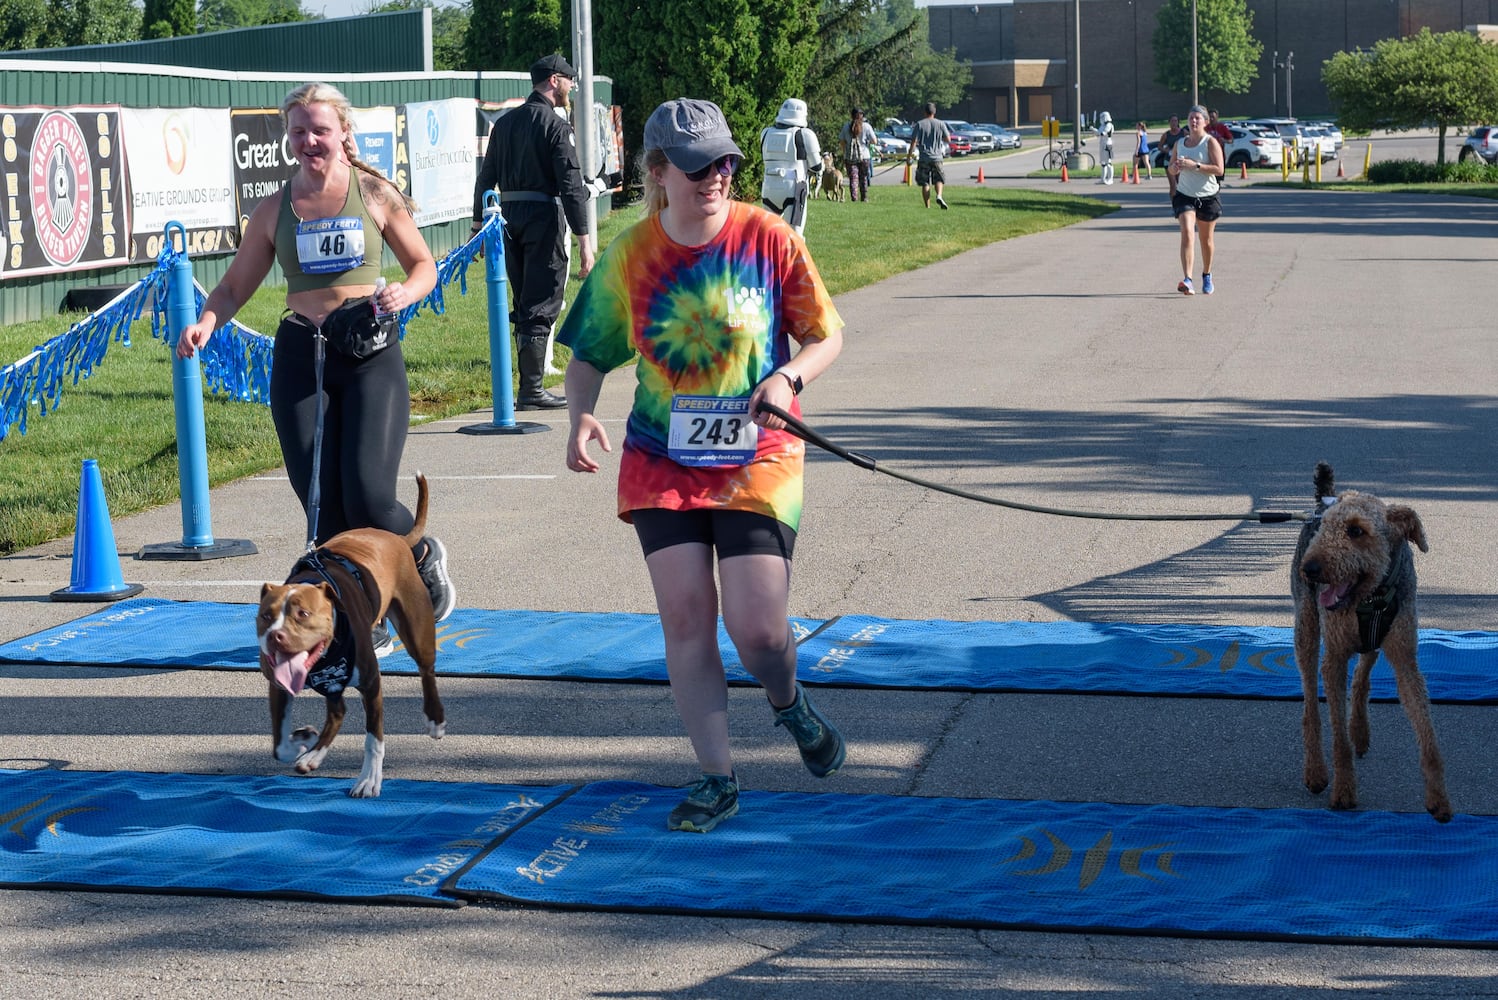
(1243, 171)
(1340, 172)
(1064, 177)
(907, 173)
(980, 175)
(1136, 173)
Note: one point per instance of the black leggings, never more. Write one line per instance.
(364, 430)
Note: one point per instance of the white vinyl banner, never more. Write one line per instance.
(439, 138)
(178, 170)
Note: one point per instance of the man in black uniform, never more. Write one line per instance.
(532, 160)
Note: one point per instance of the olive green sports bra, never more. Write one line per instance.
(329, 253)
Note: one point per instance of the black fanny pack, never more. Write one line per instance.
(355, 331)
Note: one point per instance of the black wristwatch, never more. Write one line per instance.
(790, 376)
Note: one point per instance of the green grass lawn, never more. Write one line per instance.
(123, 414)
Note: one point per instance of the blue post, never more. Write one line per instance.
(187, 399)
(192, 441)
(500, 384)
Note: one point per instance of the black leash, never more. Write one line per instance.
(810, 436)
(314, 492)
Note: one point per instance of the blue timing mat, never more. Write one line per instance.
(850, 651)
(297, 837)
(1290, 874)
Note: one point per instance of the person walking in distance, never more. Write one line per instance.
(532, 160)
(1173, 134)
(1142, 151)
(1197, 167)
(858, 139)
(929, 142)
(793, 160)
(334, 292)
(705, 299)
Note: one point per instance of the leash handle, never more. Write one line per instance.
(810, 436)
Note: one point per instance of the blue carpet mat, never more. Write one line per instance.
(300, 838)
(850, 651)
(1283, 874)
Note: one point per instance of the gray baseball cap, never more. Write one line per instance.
(691, 133)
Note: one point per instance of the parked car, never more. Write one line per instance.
(959, 145)
(1324, 145)
(890, 146)
(1253, 147)
(1332, 130)
(1004, 138)
(899, 129)
(979, 138)
(1481, 141)
(1296, 136)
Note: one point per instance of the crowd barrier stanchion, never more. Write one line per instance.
(501, 385)
(197, 541)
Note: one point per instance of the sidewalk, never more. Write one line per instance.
(1060, 369)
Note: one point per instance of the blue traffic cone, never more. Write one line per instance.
(96, 563)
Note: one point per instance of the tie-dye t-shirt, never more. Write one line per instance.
(712, 320)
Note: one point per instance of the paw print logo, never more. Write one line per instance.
(745, 304)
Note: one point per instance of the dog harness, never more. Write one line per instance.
(339, 666)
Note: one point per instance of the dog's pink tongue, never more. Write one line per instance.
(291, 671)
(1330, 595)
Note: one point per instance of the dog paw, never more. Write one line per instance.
(1439, 807)
(310, 761)
(436, 730)
(296, 745)
(366, 788)
(1344, 798)
(1315, 779)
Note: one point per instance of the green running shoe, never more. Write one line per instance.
(822, 749)
(713, 799)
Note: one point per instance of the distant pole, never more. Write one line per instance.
(1077, 76)
(587, 137)
(1289, 97)
(1274, 82)
(1195, 96)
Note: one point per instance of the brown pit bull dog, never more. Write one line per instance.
(314, 632)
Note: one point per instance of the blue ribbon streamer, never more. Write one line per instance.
(236, 360)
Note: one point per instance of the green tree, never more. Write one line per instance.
(1441, 80)
(1227, 52)
(746, 56)
(877, 55)
(101, 22)
(25, 24)
(170, 18)
(512, 34)
(222, 15)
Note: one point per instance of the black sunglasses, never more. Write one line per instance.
(725, 165)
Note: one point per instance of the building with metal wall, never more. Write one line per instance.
(1022, 53)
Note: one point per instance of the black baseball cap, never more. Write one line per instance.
(547, 65)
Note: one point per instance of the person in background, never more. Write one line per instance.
(1218, 129)
(858, 142)
(711, 296)
(793, 161)
(1142, 151)
(1173, 134)
(331, 283)
(1197, 166)
(532, 160)
(929, 141)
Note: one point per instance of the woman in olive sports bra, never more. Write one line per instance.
(328, 230)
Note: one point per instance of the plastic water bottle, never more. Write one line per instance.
(379, 287)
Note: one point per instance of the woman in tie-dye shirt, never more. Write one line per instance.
(713, 296)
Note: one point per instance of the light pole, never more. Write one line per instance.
(1289, 97)
(1274, 83)
(1077, 76)
(1195, 96)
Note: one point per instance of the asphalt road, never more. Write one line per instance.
(1059, 369)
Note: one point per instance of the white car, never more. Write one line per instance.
(1333, 131)
(1255, 147)
(1322, 143)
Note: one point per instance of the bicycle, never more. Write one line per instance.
(1056, 158)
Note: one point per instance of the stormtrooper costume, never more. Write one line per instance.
(793, 160)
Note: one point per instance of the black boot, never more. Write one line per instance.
(531, 357)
